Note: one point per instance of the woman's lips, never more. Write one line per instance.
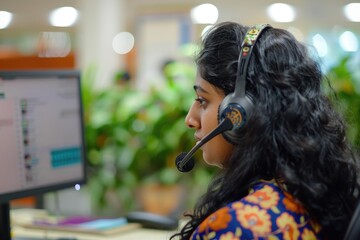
(198, 140)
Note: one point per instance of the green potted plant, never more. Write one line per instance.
(133, 139)
(347, 100)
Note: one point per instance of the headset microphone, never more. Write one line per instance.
(185, 162)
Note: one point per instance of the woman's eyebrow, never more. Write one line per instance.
(197, 88)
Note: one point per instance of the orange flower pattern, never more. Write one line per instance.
(266, 213)
(255, 219)
(265, 197)
(291, 204)
(288, 226)
(216, 221)
(228, 236)
(308, 235)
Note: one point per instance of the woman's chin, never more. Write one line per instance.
(213, 163)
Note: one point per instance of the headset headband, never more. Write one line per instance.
(247, 46)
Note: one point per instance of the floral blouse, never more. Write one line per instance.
(267, 212)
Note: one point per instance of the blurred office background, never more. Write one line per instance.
(136, 59)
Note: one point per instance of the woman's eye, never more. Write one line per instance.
(200, 101)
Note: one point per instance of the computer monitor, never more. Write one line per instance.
(41, 135)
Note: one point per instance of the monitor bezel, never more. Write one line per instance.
(36, 191)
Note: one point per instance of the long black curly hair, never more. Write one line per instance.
(293, 134)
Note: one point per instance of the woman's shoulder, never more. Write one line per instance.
(267, 211)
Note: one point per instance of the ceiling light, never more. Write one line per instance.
(5, 19)
(63, 17)
(123, 42)
(348, 42)
(281, 12)
(204, 14)
(352, 12)
(320, 45)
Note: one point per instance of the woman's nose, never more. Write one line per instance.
(191, 119)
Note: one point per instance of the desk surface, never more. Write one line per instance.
(25, 216)
(135, 234)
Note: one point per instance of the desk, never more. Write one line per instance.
(135, 234)
(18, 218)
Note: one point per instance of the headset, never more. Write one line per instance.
(238, 106)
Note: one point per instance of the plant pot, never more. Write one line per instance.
(161, 199)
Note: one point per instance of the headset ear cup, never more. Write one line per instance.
(229, 139)
(239, 111)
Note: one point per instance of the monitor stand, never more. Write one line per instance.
(5, 232)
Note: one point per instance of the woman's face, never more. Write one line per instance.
(203, 118)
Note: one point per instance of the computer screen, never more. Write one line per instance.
(41, 132)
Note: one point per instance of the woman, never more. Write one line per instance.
(290, 174)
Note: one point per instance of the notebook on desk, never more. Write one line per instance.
(99, 226)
